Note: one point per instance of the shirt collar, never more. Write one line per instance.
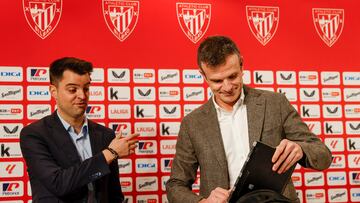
(238, 103)
(69, 128)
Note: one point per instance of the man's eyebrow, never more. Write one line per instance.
(73, 84)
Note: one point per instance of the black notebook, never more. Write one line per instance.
(257, 173)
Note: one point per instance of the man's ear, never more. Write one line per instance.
(53, 91)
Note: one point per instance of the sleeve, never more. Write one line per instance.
(183, 171)
(43, 166)
(316, 154)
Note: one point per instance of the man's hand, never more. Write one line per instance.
(124, 146)
(287, 153)
(218, 195)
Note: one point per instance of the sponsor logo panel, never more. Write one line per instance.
(169, 76)
(351, 78)
(308, 78)
(169, 93)
(125, 166)
(10, 150)
(192, 76)
(11, 169)
(10, 130)
(144, 94)
(144, 111)
(146, 165)
(263, 77)
(145, 184)
(12, 188)
(96, 93)
(167, 146)
(38, 111)
(38, 74)
(146, 129)
(118, 75)
(38, 93)
(144, 75)
(330, 78)
(11, 93)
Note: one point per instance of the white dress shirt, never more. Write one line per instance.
(235, 136)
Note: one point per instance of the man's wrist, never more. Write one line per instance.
(113, 152)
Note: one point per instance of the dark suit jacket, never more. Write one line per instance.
(271, 118)
(55, 170)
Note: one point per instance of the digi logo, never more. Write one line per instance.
(146, 147)
(11, 74)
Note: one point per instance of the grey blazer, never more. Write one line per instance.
(271, 118)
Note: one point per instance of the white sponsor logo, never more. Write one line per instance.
(96, 93)
(352, 111)
(351, 78)
(290, 93)
(354, 177)
(11, 111)
(146, 165)
(126, 184)
(314, 179)
(124, 127)
(38, 93)
(146, 147)
(331, 94)
(166, 164)
(11, 169)
(164, 179)
(192, 76)
(95, 111)
(128, 199)
(296, 179)
(164, 199)
(193, 94)
(167, 146)
(38, 74)
(332, 111)
(10, 130)
(11, 74)
(299, 194)
(171, 76)
(169, 111)
(169, 93)
(188, 108)
(169, 129)
(353, 144)
(286, 77)
(335, 144)
(125, 166)
(145, 111)
(333, 128)
(355, 194)
(118, 93)
(336, 178)
(315, 195)
(97, 76)
(11, 93)
(144, 75)
(119, 111)
(38, 111)
(263, 77)
(118, 75)
(314, 127)
(308, 78)
(351, 94)
(309, 94)
(10, 150)
(338, 161)
(146, 129)
(209, 93)
(144, 184)
(330, 78)
(12, 188)
(337, 195)
(353, 127)
(147, 199)
(144, 93)
(310, 111)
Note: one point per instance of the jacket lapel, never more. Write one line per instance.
(213, 135)
(255, 106)
(62, 138)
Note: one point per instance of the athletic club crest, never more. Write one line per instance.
(263, 22)
(121, 17)
(329, 24)
(194, 19)
(42, 15)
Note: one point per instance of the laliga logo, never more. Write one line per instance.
(263, 22)
(194, 19)
(42, 15)
(329, 24)
(121, 17)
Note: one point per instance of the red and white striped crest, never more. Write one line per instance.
(42, 15)
(121, 17)
(263, 22)
(329, 24)
(194, 19)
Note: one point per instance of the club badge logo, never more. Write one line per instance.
(329, 24)
(42, 15)
(121, 17)
(194, 19)
(263, 22)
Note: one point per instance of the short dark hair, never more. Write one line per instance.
(214, 50)
(76, 65)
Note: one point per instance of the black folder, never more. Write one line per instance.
(257, 173)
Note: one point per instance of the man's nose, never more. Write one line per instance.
(227, 85)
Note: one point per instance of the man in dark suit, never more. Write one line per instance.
(69, 157)
(218, 136)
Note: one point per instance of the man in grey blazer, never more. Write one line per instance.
(217, 136)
